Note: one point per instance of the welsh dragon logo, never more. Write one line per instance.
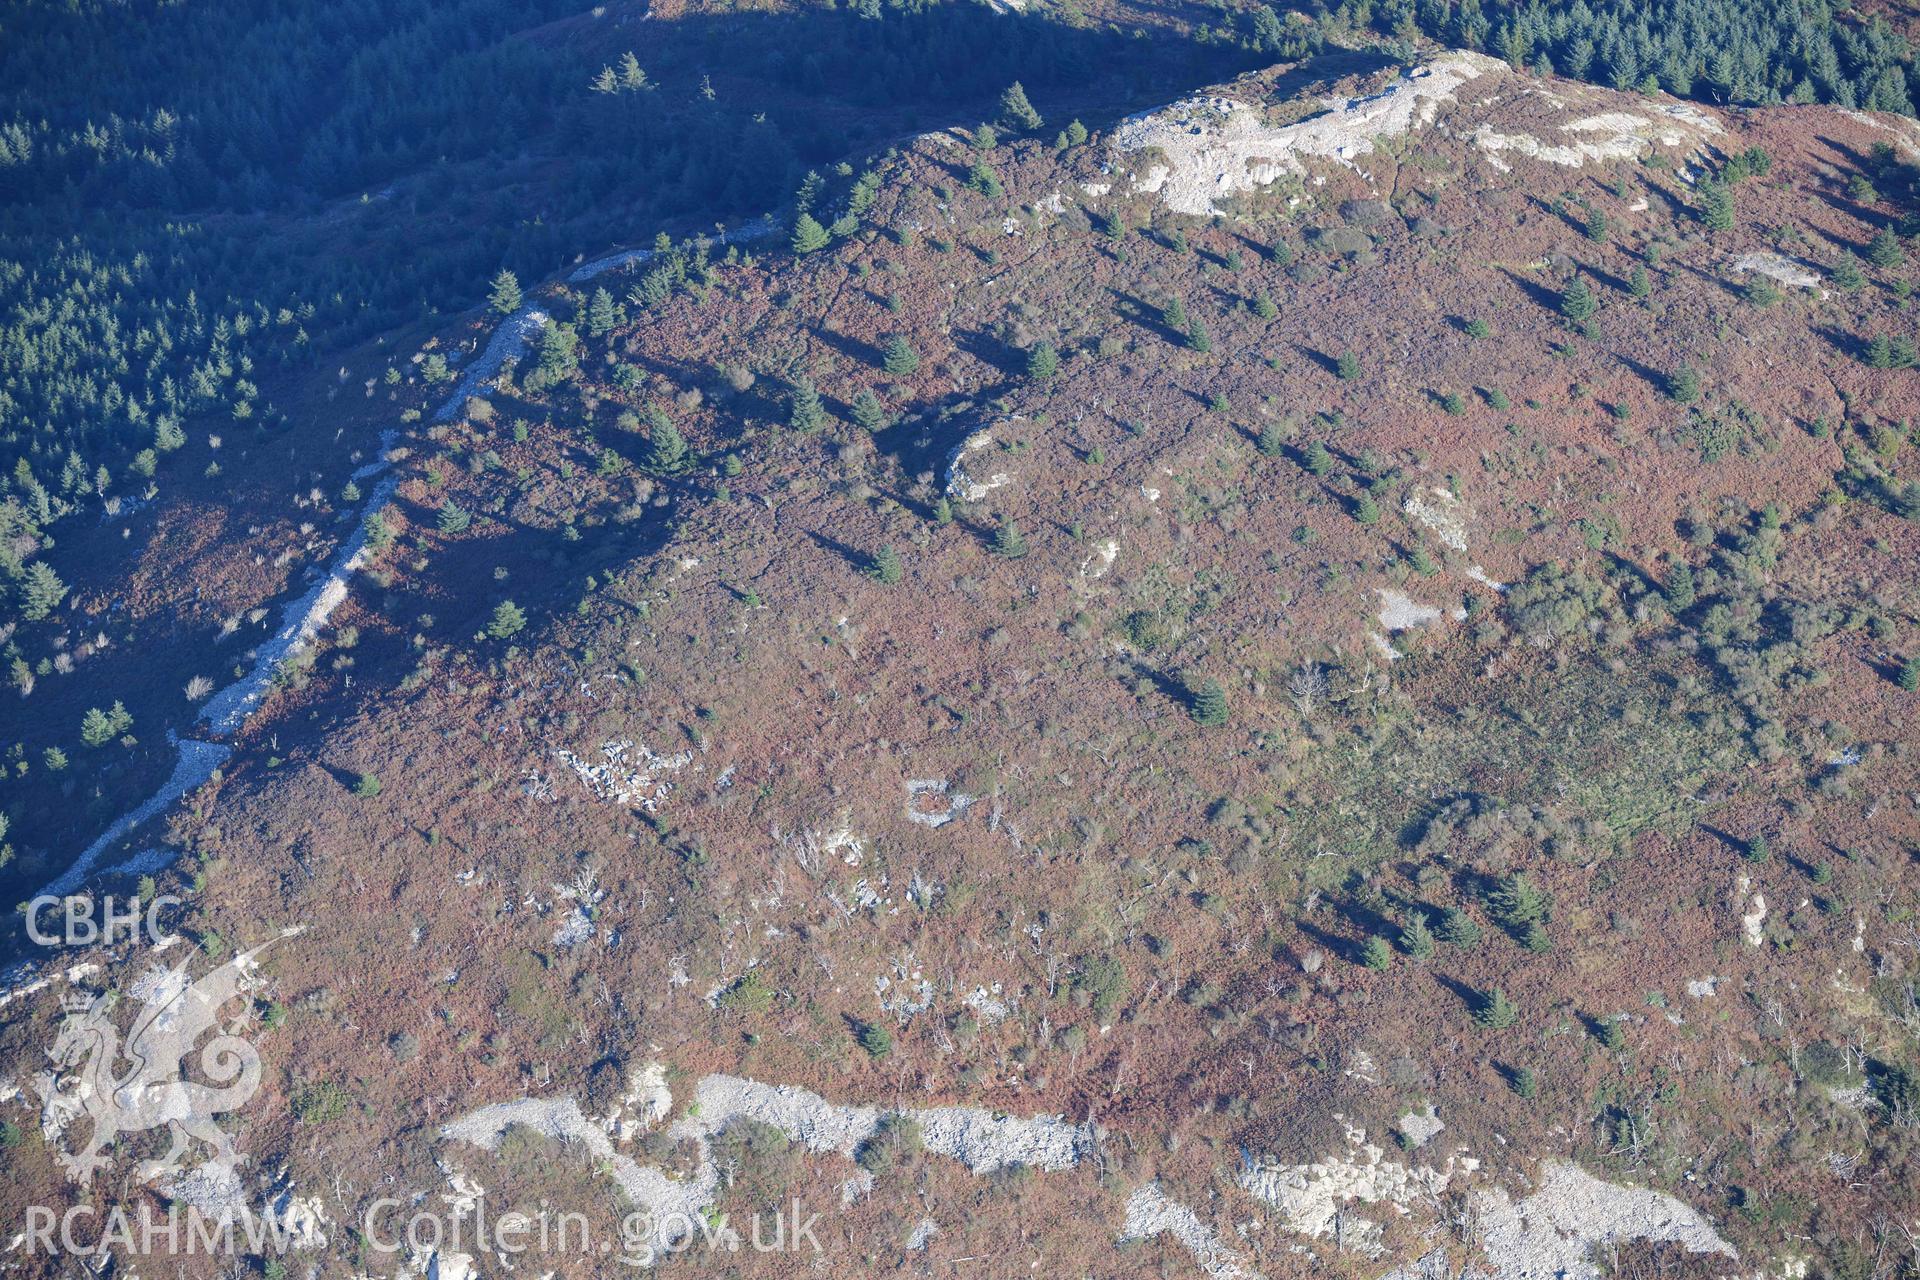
(142, 1084)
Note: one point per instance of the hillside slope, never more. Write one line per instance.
(1308, 685)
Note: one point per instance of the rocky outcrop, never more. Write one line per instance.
(980, 1140)
(1205, 150)
(1208, 149)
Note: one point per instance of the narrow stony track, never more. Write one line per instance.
(303, 618)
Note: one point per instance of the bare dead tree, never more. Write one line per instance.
(1307, 686)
